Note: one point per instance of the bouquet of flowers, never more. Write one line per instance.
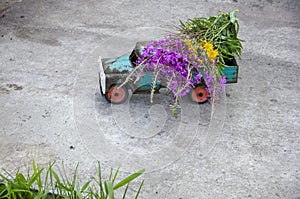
(193, 56)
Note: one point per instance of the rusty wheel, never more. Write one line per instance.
(200, 94)
(116, 95)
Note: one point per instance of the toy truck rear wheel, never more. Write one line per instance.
(200, 94)
(116, 95)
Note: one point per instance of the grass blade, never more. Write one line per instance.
(109, 189)
(85, 186)
(35, 178)
(138, 193)
(115, 176)
(100, 181)
(125, 191)
(129, 179)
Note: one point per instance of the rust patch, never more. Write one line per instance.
(108, 70)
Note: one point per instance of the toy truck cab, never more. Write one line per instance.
(114, 71)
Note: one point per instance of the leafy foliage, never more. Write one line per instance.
(47, 183)
(221, 30)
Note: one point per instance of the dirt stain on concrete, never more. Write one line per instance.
(7, 88)
(25, 153)
(37, 35)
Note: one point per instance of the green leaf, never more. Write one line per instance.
(115, 176)
(63, 187)
(109, 189)
(125, 191)
(78, 194)
(129, 179)
(2, 189)
(100, 184)
(4, 178)
(233, 16)
(55, 176)
(21, 181)
(22, 191)
(73, 184)
(85, 186)
(138, 193)
(35, 177)
(111, 172)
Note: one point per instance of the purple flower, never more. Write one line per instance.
(172, 61)
(222, 82)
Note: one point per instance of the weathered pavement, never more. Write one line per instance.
(51, 108)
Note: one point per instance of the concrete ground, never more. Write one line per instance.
(51, 108)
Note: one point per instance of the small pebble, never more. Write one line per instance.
(273, 100)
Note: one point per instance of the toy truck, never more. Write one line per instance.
(114, 71)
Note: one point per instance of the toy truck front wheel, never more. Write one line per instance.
(199, 94)
(116, 94)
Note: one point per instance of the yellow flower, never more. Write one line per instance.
(188, 42)
(216, 53)
(208, 46)
(203, 42)
(212, 54)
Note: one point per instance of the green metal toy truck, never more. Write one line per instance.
(114, 71)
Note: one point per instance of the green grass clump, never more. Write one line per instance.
(46, 183)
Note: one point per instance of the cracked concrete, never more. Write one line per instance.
(51, 108)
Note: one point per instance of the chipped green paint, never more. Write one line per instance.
(119, 65)
(145, 82)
